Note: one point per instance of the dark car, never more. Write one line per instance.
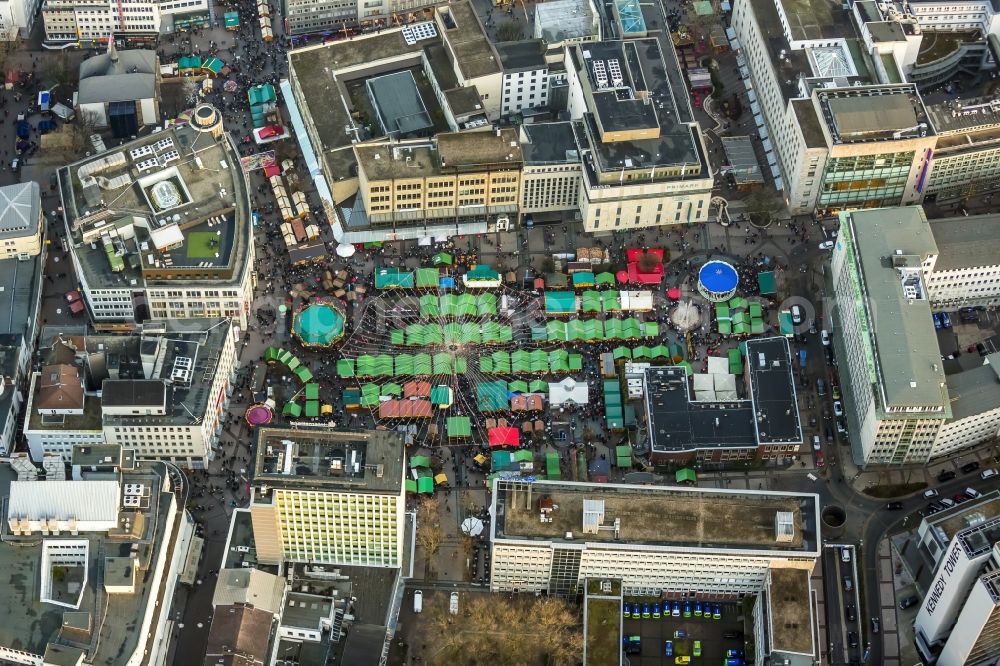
(911, 600)
(829, 434)
(733, 635)
(852, 639)
(946, 475)
(849, 612)
(894, 506)
(968, 468)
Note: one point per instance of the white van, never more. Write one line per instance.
(418, 601)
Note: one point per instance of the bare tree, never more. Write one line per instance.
(429, 532)
(509, 32)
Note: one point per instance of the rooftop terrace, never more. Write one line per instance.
(317, 459)
(169, 206)
(658, 516)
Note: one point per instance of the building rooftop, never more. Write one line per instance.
(889, 246)
(873, 114)
(20, 210)
(133, 392)
(327, 460)
(816, 19)
(809, 123)
(563, 20)
(464, 101)
(789, 64)
(118, 76)
(401, 111)
(946, 524)
(258, 588)
(239, 631)
(678, 423)
(791, 611)
(549, 143)
(166, 207)
(19, 295)
(658, 516)
(743, 159)
(105, 626)
(454, 152)
(59, 387)
(979, 538)
(937, 44)
(632, 93)
(953, 116)
(975, 391)
(101, 455)
(772, 391)
(966, 242)
(474, 54)
(528, 54)
(184, 361)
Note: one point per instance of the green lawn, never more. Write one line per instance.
(199, 246)
(604, 641)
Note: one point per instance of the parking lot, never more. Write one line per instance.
(654, 632)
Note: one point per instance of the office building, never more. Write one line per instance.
(966, 160)
(120, 90)
(700, 419)
(552, 174)
(550, 536)
(162, 392)
(959, 619)
(894, 391)
(160, 227)
(135, 24)
(96, 561)
(565, 22)
(456, 178)
(643, 163)
(328, 497)
(525, 76)
(17, 18)
(975, 408)
(965, 270)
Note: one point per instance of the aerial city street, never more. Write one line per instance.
(507, 332)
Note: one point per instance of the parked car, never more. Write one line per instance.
(876, 625)
(656, 611)
(645, 611)
(687, 609)
(911, 600)
(697, 609)
(733, 635)
(937, 321)
(838, 409)
(680, 633)
(716, 611)
(845, 554)
(852, 639)
(948, 503)
(973, 493)
(696, 649)
(796, 314)
(849, 612)
(826, 245)
(668, 648)
(835, 392)
(946, 475)
(820, 460)
(816, 443)
(734, 652)
(945, 320)
(626, 610)
(930, 494)
(675, 609)
(894, 506)
(824, 337)
(987, 474)
(848, 584)
(970, 467)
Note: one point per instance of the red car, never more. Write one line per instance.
(820, 461)
(271, 131)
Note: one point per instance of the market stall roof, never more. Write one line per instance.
(427, 278)
(504, 436)
(393, 278)
(419, 461)
(232, 20)
(569, 391)
(583, 279)
(766, 283)
(685, 475)
(459, 426)
(560, 302)
(604, 279)
(442, 259)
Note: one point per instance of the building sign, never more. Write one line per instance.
(941, 584)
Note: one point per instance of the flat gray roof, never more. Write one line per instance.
(474, 54)
(657, 516)
(28, 624)
(862, 116)
(963, 115)
(905, 343)
(398, 105)
(977, 390)
(19, 292)
(965, 242)
(565, 19)
(549, 143)
(817, 19)
(321, 459)
(527, 54)
(742, 158)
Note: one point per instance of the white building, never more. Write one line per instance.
(895, 396)
(525, 76)
(77, 21)
(965, 270)
(643, 161)
(348, 509)
(53, 507)
(161, 227)
(549, 536)
(959, 619)
(17, 17)
(975, 408)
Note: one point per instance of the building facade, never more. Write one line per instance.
(553, 535)
(351, 511)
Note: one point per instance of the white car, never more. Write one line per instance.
(824, 336)
(826, 245)
(838, 409)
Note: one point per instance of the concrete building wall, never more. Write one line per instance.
(974, 285)
(947, 593)
(524, 90)
(550, 188)
(963, 433)
(956, 175)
